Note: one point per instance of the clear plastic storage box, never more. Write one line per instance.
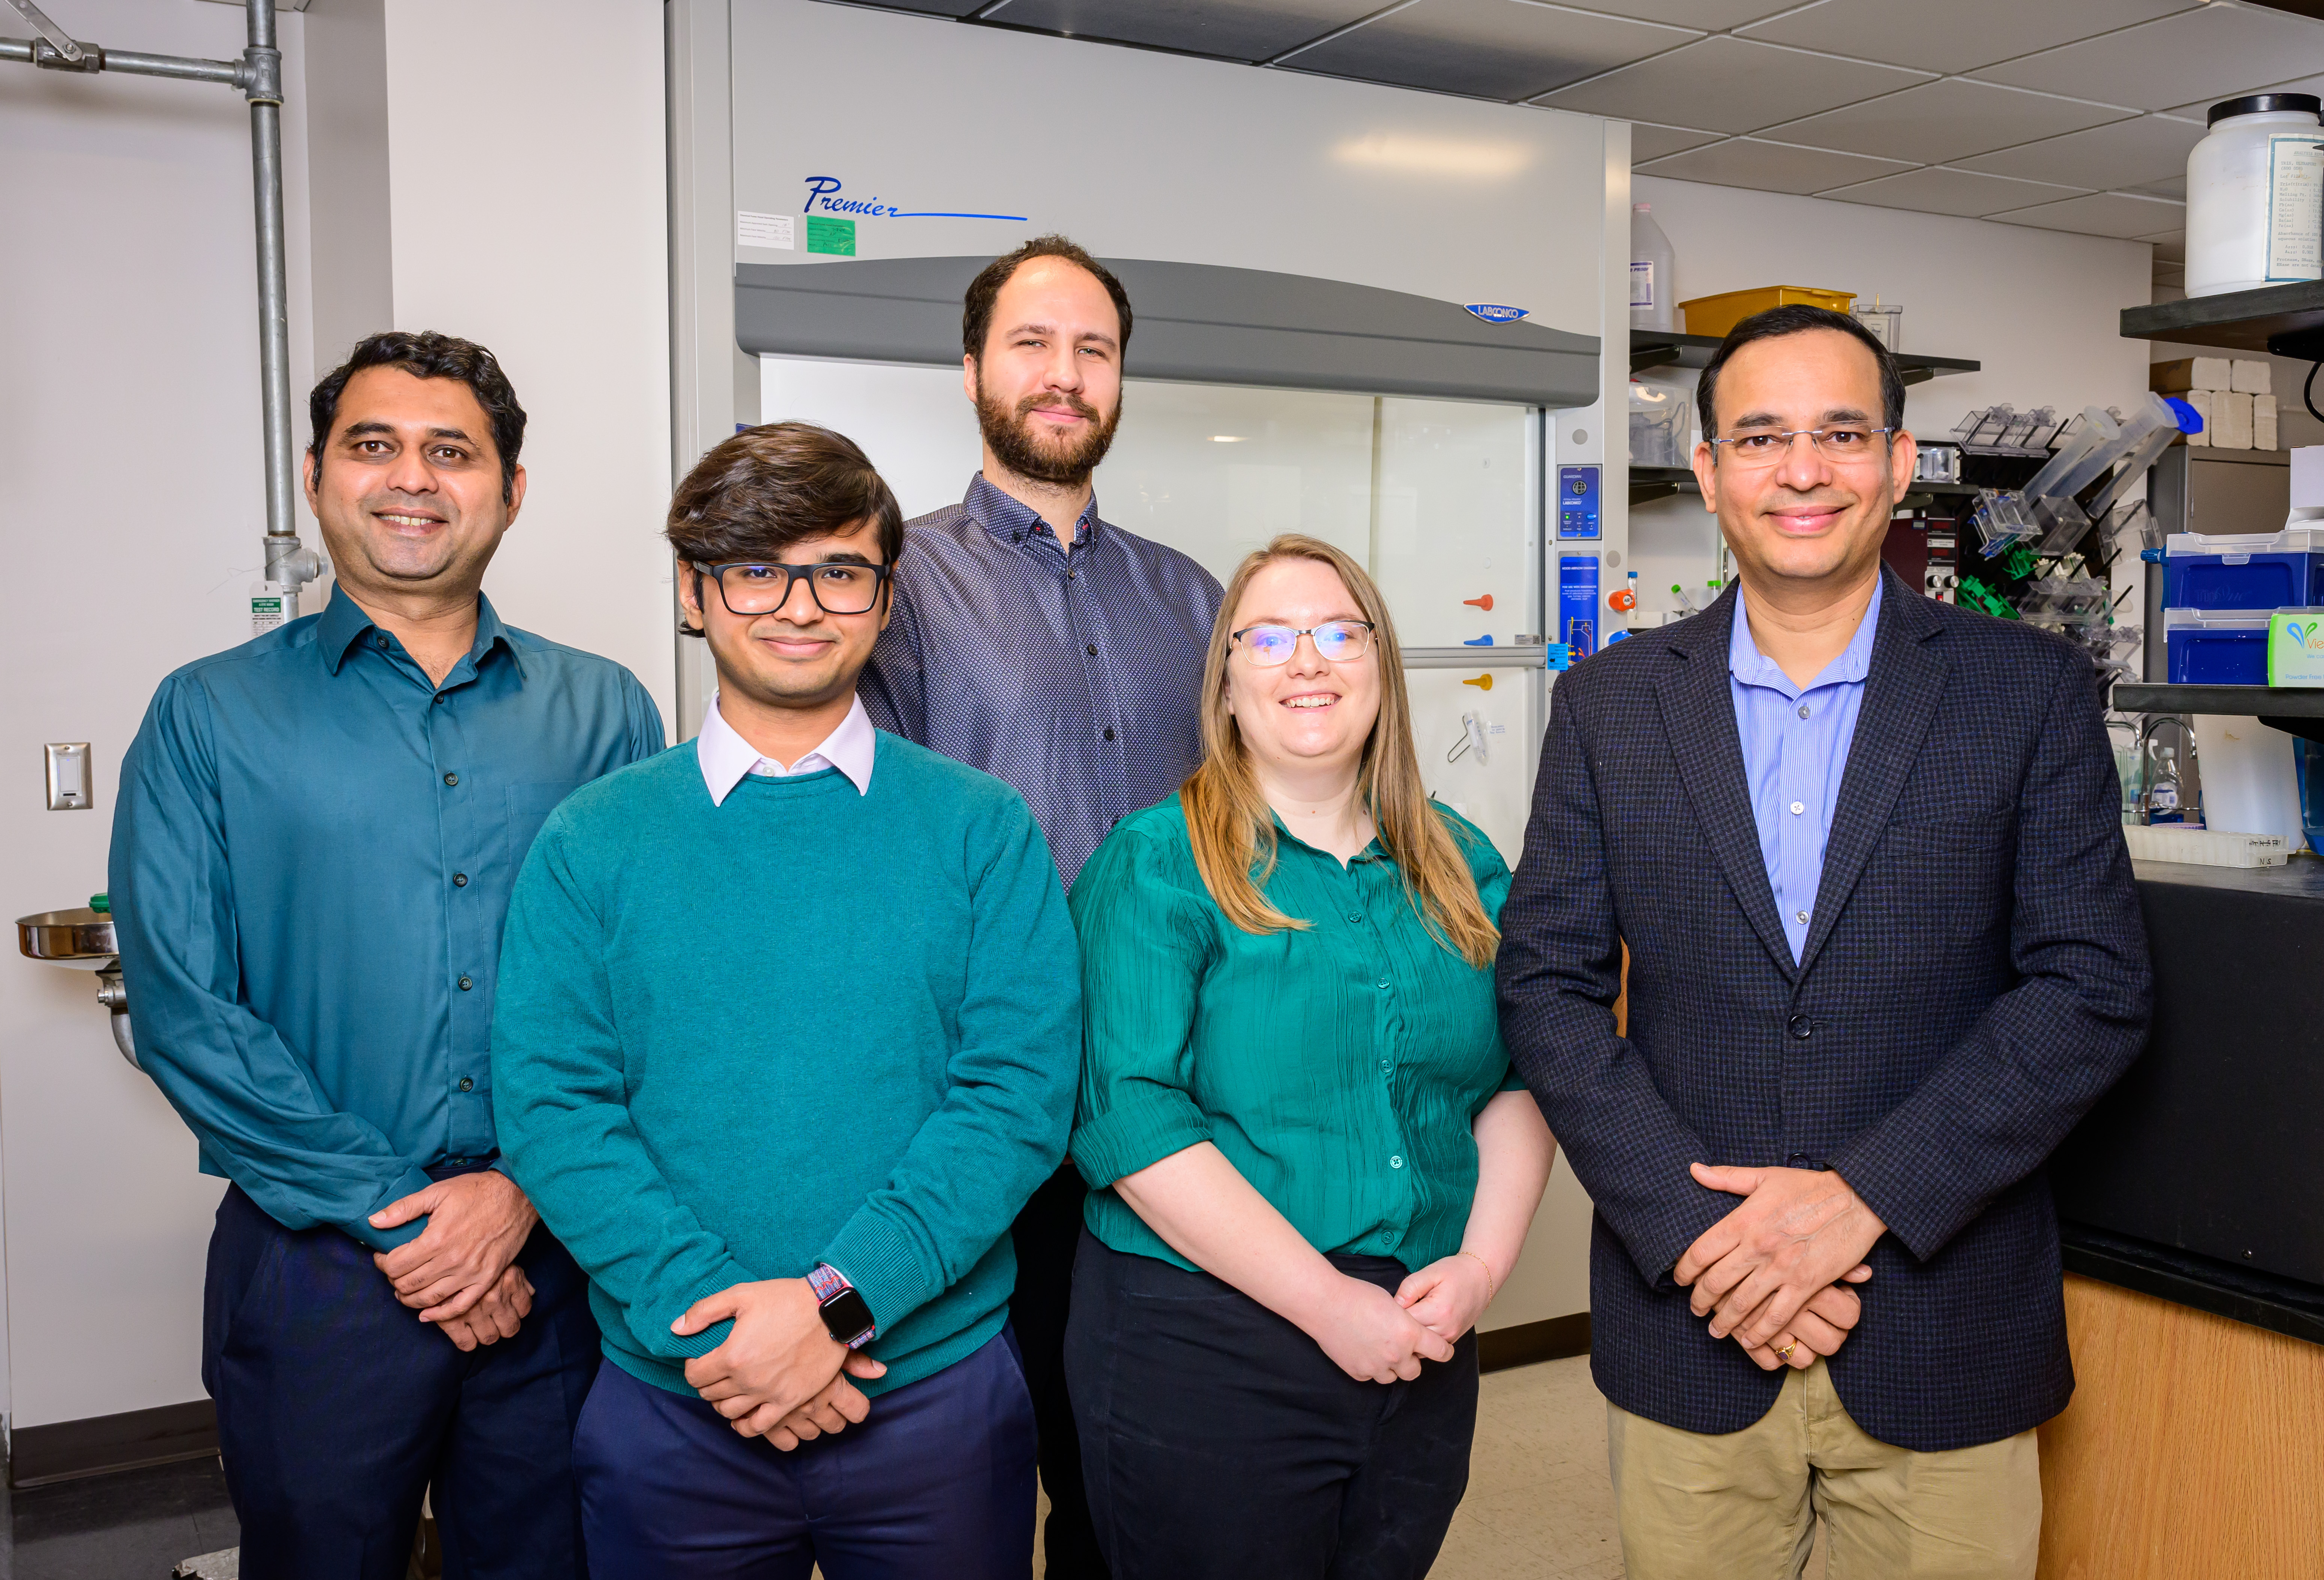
(2244, 570)
(2217, 647)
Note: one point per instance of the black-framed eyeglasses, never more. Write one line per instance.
(1843, 441)
(838, 587)
(1339, 641)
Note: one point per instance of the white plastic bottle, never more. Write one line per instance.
(1651, 267)
(2252, 186)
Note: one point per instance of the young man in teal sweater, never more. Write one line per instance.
(779, 1053)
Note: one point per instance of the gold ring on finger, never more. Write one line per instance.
(1784, 1354)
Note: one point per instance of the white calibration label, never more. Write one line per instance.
(1642, 284)
(763, 230)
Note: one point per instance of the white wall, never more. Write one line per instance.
(493, 171)
(525, 156)
(131, 478)
(2039, 309)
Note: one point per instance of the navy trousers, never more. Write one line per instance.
(936, 1484)
(1220, 1442)
(338, 1408)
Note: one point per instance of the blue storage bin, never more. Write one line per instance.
(2244, 570)
(2217, 647)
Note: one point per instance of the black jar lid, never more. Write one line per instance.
(2261, 104)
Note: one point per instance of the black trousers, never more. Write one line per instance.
(1221, 1441)
(336, 1409)
(1046, 1234)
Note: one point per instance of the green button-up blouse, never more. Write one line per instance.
(1339, 1067)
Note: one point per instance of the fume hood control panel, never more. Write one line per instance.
(1577, 501)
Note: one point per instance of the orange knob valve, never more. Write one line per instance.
(1623, 600)
(1483, 682)
(1485, 603)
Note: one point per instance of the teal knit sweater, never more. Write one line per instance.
(805, 1026)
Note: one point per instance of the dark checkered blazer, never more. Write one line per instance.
(1976, 975)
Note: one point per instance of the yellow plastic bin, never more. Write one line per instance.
(1715, 315)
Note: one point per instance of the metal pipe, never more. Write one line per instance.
(1476, 658)
(16, 50)
(264, 62)
(184, 68)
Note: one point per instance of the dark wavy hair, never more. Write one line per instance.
(757, 494)
(976, 309)
(426, 355)
(1798, 319)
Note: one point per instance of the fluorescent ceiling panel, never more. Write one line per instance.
(2115, 213)
(2127, 154)
(1964, 34)
(1939, 121)
(1491, 49)
(1769, 167)
(1236, 30)
(1950, 192)
(2214, 52)
(1730, 85)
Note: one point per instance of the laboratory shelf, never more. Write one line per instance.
(1662, 348)
(2263, 702)
(2286, 319)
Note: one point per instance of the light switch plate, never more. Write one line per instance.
(70, 789)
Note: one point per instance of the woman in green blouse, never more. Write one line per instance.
(1310, 1164)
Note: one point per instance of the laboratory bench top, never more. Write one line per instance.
(2198, 1176)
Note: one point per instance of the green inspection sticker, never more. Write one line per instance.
(830, 236)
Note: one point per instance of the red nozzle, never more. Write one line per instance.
(1485, 603)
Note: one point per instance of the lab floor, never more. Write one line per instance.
(1538, 1507)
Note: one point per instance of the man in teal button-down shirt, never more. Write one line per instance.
(317, 836)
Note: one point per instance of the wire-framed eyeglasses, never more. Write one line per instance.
(838, 587)
(1339, 640)
(1842, 442)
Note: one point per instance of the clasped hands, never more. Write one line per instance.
(779, 1375)
(1376, 1336)
(460, 1273)
(1772, 1273)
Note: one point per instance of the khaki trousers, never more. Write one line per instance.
(1743, 1505)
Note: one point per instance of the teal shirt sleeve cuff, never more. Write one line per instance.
(384, 1240)
(1136, 1134)
(873, 1254)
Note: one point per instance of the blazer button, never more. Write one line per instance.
(1801, 1027)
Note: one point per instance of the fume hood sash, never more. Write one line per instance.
(1198, 323)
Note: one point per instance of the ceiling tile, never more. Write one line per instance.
(2115, 213)
(1939, 121)
(1770, 167)
(1731, 85)
(928, 7)
(1710, 15)
(2129, 153)
(2200, 109)
(1950, 192)
(1648, 141)
(1968, 35)
(1493, 48)
(2176, 187)
(2215, 50)
(2170, 246)
(1236, 30)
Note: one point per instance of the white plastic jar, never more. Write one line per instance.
(2252, 186)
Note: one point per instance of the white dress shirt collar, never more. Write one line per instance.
(725, 756)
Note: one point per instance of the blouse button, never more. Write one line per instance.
(1396, 1161)
(1386, 1066)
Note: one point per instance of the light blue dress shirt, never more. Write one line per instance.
(312, 856)
(1795, 741)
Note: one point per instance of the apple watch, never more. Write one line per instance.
(845, 1314)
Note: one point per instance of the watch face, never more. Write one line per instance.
(847, 1317)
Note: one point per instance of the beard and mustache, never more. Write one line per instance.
(1064, 463)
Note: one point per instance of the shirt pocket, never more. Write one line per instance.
(528, 806)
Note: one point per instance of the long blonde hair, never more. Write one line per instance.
(1232, 827)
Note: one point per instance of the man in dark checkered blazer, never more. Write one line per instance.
(1864, 851)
